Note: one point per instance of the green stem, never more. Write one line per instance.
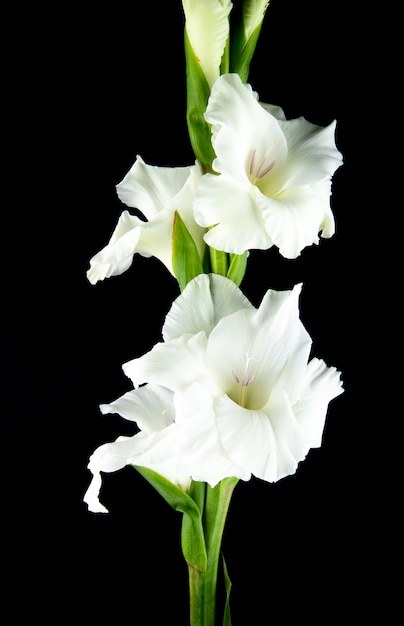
(219, 261)
(196, 595)
(215, 513)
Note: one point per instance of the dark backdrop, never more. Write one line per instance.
(100, 86)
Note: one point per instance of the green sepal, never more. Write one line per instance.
(227, 584)
(198, 92)
(237, 268)
(192, 537)
(185, 256)
(242, 51)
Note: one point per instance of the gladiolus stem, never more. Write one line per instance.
(203, 582)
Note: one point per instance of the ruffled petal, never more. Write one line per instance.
(312, 153)
(296, 216)
(216, 296)
(322, 384)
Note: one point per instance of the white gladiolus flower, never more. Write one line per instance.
(157, 192)
(252, 401)
(207, 26)
(231, 392)
(274, 175)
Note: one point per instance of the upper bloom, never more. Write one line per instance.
(274, 181)
(157, 192)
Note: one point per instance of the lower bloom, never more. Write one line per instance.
(231, 391)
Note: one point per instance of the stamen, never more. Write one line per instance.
(236, 378)
(252, 162)
(266, 170)
(265, 166)
(246, 381)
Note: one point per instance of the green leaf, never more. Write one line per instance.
(185, 257)
(198, 92)
(238, 266)
(192, 537)
(227, 582)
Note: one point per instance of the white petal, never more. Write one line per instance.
(174, 364)
(203, 456)
(312, 153)
(117, 256)
(216, 297)
(155, 238)
(263, 345)
(158, 451)
(247, 438)
(151, 407)
(240, 127)
(232, 211)
(322, 384)
(150, 188)
(207, 25)
(296, 216)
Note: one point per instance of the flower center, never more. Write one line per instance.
(260, 167)
(244, 383)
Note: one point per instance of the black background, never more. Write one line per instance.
(99, 86)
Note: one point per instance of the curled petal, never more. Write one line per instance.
(151, 407)
(117, 256)
(157, 451)
(151, 188)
